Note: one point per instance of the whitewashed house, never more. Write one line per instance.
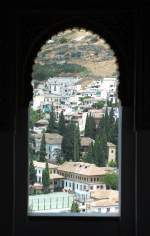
(53, 144)
(56, 181)
(40, 126)
(103, 201)
(108, 88)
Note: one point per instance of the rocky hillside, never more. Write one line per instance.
(75, 52)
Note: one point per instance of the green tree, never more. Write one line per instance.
(100, 150)
(34, 116)
(112, 163)
(111, 124)
(111, 180)
(61, 123)
(42, 152)
(68, 142)
(52, 126)
(32, 173)
(89, 157)
(71, 142)
(75, 207)
(46, 179)
(90, 127)
(107, 123)
(99, 105)
(87, 127)
(76, 143)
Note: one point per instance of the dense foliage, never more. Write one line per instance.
(75, 207)
(111, 181)
(43, 72)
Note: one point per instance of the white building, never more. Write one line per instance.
(56, 180)
(40, 126)
(108, 88)
(38, 101)
(62, 85)
(53, 144)
(103, 201)
(82, 178)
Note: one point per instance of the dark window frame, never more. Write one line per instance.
(107, 225)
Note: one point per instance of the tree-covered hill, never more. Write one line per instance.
(75, 51)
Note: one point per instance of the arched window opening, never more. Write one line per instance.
(73, 127)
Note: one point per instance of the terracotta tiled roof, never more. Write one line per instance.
(86, 141)
(103, 194)
(53, 138)
(39, 164)
(50, 138)
(83, 168)
(104, 198)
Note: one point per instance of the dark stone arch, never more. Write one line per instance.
(110, 30)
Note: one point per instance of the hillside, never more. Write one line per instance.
(75, 52)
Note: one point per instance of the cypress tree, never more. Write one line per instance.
(100, 151)
(46, 178)
(107, 123)
(111, 123)
(101, 126)
(87, 127)
(90, 155)
(68, 142)
(71, 142)
(76, 156)
(32, 173)
(90, 127)
(52, 126)
(61, 124)
(42, 152)
(93, 127)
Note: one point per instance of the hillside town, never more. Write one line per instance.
(60, 102)
(73, 127)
